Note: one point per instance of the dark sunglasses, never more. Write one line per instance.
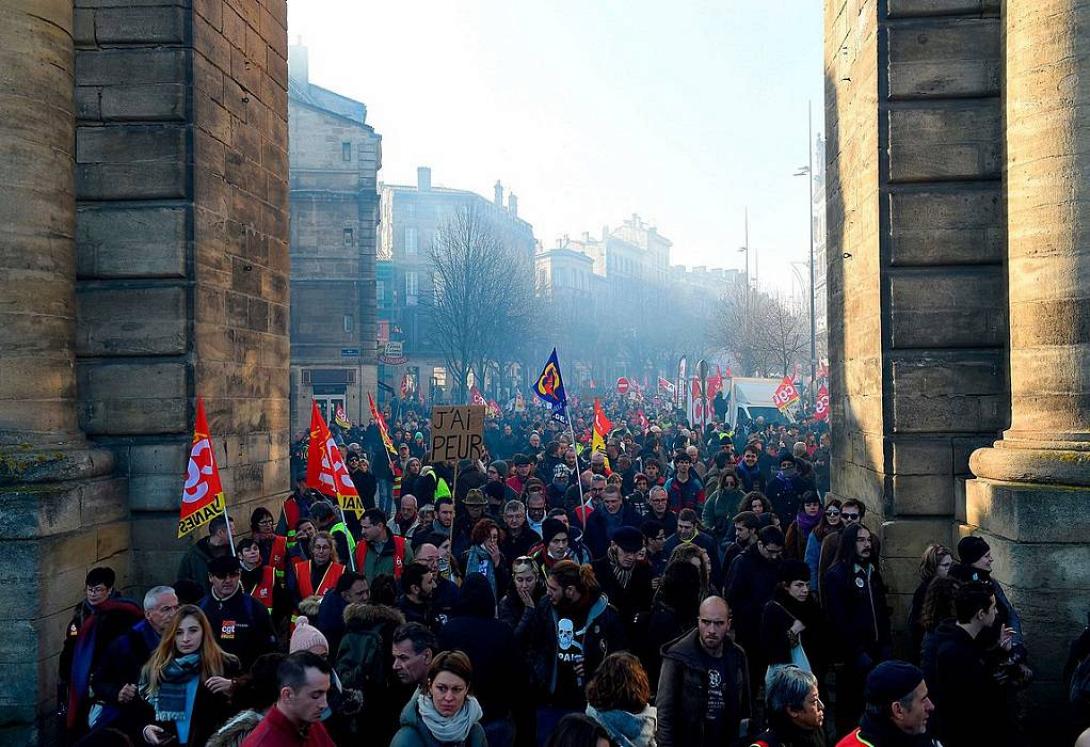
(832, 512)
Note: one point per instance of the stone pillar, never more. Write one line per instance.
(37, 223)
(1031, 498)
(59, 513)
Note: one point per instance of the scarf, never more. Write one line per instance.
(806, 522)
(622, 575)
(448, 728)
(172, 696)
(627, 729)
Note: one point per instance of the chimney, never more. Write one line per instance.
(298, 62)
(513, 204)
(498, 194)
(423, 178)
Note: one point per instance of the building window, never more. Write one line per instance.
(410, 240)
(349, 237)
(380, 290)
(411, 288)
(348, 324)
(346, 151)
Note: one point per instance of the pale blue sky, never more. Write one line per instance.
(684, 112)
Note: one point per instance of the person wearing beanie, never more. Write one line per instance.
(792, 626)
(898, 708)
(976, 565)
(624, 577)
(555, 544)
(308, 638)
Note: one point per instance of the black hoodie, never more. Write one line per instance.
(499, 669)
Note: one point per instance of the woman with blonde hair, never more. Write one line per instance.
(187, 682)
(320, 574)
(935, 562)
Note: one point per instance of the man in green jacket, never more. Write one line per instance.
(217, 544)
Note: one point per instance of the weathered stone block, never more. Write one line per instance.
(948, 391)
(131, 321)
(126, 67)
(948, 308)
(959, 141)
(117, 242)
(951, 58)
(1052, 515)
(130, 162)
(907, 538)
(946, 228)
(140, 24)
(917, 8)
(130, 398)
(923, 495)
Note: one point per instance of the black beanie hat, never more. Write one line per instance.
(794, 570)
(890, 681)
(972, 549)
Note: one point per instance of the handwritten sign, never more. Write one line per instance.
(457, 432)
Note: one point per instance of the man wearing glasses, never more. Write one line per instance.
(114, 681)
(852, 512)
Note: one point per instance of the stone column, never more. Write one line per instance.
(1033, 488)
(59, 512)
(37, 222)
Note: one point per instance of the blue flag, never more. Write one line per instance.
(550, 385)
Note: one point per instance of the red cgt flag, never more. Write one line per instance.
(821, 408)
(326, 472)
(475, 396)
(202, 496)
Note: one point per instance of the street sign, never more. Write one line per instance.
(622, 386)
(457, 432)
(393, 353)
(350, 352)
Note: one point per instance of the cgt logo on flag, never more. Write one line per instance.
(202, 496)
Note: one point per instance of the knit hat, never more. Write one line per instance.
(628, 539)
(972, 549)
(306, 636)
(552, 527)
(890, 681)
(500, 466)
(561, 472)
(224, 566)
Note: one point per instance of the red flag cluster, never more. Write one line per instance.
(326, 471)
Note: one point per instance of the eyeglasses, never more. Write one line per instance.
(850, 517)
(832, 512)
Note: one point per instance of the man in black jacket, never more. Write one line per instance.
(969, 702)
(241, 624)
(703, 692)
(624, 578)
(854, 597)
(751, 584)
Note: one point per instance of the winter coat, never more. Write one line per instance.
(194, 565)
(627, 729)
(785, 494)
(252, 634)
(120, 666)
(681, 699)
(776, 639)
(968, 701)
(664, 625)
(781, 732)
(210, 711)
(751, 584)
(275, 730)
(631, 600)
(500, 673)
(688, 494)
(855, 602)
(516, 616)
(235, 731)
(719, 510)
(605, 634)
(364, 662)
(750, 479)
(413, 732)
(479, 562)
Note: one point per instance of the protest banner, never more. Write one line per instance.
(457, 432)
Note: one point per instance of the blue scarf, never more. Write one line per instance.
(627, 729)
(173, 700)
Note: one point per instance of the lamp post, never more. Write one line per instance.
(702, 370)
(808, 171)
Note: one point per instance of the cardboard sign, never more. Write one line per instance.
(457, 432)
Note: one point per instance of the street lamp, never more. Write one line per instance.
(808, 170)
(702, 369)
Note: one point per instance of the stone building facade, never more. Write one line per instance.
(958, 293)
(409, 218)
(143, 261)
(334, 159)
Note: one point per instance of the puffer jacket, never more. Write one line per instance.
(364, 663)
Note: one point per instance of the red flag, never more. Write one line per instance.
(821, 408)
(382, 429)
(643, 421)
(602, 427)
(326, 472)
(202, 496)
(786, 394)
(475, 396)
(666, 386)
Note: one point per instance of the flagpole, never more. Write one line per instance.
(351, 555)
(227, 519)
(578, 475)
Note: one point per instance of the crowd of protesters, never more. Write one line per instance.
(683, 586)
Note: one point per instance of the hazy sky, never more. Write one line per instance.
(683, 112)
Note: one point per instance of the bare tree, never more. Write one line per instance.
(762, 333)
(484, 296)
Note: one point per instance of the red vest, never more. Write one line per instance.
(278, 554)
(399, 555)
(263, 590)
(855, 739)
(329, 580)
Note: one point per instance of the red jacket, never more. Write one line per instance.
(276, 731)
